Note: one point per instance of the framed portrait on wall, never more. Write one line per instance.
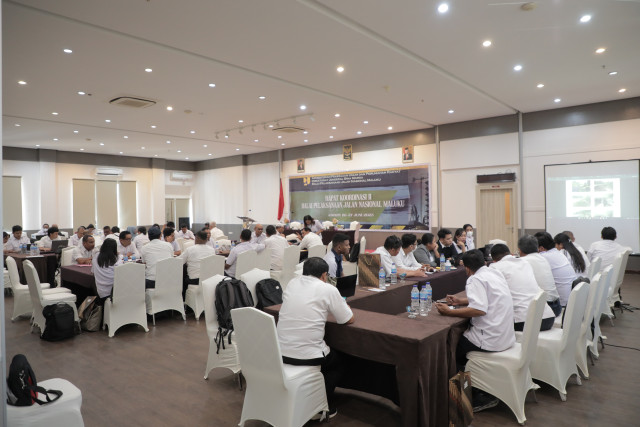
(347, 152)
(300, 165)
(407, 154)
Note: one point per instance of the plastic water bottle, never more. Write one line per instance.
(394, 274)
(382, 276)
(442, 261)
(447, 266)
(217, 247)
(133, 258)
(423, 301)
(37, 250)
(32, 252)
(23, 248)
(233, 244)
(429, 296)
(415, 301)
(124, 258)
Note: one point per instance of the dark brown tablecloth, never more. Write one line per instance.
(80, 280)
(406, 360)
(45, 264)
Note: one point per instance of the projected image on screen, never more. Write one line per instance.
(593, 198)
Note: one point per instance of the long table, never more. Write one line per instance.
(45, 264)
(408, 361)
(80, 280)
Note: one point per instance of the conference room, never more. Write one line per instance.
(138, 113)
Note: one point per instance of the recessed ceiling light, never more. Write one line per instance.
(22, 82)
(153, 126)
(330, 136)
(155, 155)
(212, 85)
(17, 124)
(67, 50)
(486, 43)
(366, 122)
(256, 140)
(270, 126)
(333, 127)
(359, 132)
(390, 128)
(54, 113)
(585, 18)
(306, 140)
(240, 121)
(148, 70)
(451, 111)
(168, 142)
(179, 151)
(600, 50)
(557, 100)
(142, 148)
(279, 136)
(540, 85)
(623, 90)
(121, 152)
(205, 145)
(75, 131)
(262, 98)
(169, 108)
(102, 143)
(443, 8)
(186, 158)
(107, 120)
(37, 145)
(82, 149)
(336, 115)
(125, 137)
(282, 143)
(237, 149)
(207, 154)
(192, 131)
(55, 139)
(306, 132)
(303, 107)
(517, 67)
(81, 92)
(340, 69)
(613, 73)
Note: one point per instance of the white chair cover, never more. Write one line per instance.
(605, 307)
(594, 267)
(224, 244)
(250, 278)
(263, 259)
(64, 412)
(295, 225)
(363, 244)
(128, 305)
(66, 256)
(603, 285)
(227, 357)
(180, 241)
(327, 224)
(209, 267)
(614, 290)
(505, 374)
(290, 259)
(186, 244)
(354, 225)
(167, 294)
(282, 395)
(555, 360)
(582, 344)
(317, 251)
(222, 238)
(245, 262)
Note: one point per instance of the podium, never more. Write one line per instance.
(246, 221)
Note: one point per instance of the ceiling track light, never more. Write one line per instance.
(265, 125)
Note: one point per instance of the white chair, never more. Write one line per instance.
(555, 359)
(250, 278)
(290, 259)
(329, 247)
(245, 262)
(167, 295)
(66, 256)
(295, 225)
(605, 307)
(614, 290)
(64, 412)
(603, 285)
(354, 225)
(128, 304)
(282, 395)
(582, 345)
(227, 357)
(594, 267)
(505, 374)
(209, 267)
(317, 251)
(224, 244)
(222, 238)
(363, 245)
(6, 284)
(263, 260)
(39, 300)
(180, 241)
(327, 224)
(187, 244)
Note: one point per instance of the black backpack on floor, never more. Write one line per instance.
(22, 387)
(230, 294)
(268, 293)
(60, 319)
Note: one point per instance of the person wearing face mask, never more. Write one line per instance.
(405, 260)
(445, 243)
(427, 251)
(43, 231)
(468, 228)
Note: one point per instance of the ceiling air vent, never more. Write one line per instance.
(130, 101)
(288, 129)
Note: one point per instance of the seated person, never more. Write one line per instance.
(445, 244)
(126, 246)
(578, 261)
(340, 247)
(306, 303)
(216, 233)
(522, 285)
(43, 230)
(392, 246)
(185, 233)
(277, 244)
(115, 233)
(468, 228)
(106, 231)
(210, 242)
(427, 251)
(606, 249)
(563, 273)
(244, 245)
(103, 266)
(83, 253)
(405, 259)
(141, 238)
(16, 240)
(154, 251)
(258, 236)
(489, 306)
(313, 224)
(528, 248)
(76, 239)
(280, 229)
(169, 236)
(91, 229)
(310, 239)
(192, 257)
(573, 240)
(460, 241)
(46, 242)
(5, 239)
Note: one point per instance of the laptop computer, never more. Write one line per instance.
(347, 285)
(57, 245)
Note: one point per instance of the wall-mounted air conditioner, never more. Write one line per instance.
(108, 172)
(181, 176)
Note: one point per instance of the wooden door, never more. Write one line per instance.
(496, 214)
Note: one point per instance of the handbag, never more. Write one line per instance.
(460, 405)
(90, 314)
(368, 269)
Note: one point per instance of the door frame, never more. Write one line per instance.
(513, 186)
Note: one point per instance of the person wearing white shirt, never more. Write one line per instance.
(277, 244)
(310, 239)
(43, 230)
(76, 239)
(528, 248)
(47, 241)
(169, 236)
(468, 228)
(141, 238)
(216, 233)
(522, 285)
(17, 239)
(185, 233)
(340, 246)
(405, 259)
(154, 251)
(579, 262)
(563, 273)
(307, 302)
(314, 225)
(5, 239)
(258, 236)
(103, 266)
(83, 253)
(192, 257)
(489, 306)
(280, 230)
(126, 246)
(245, 245)
(606, 249)
(388, 252)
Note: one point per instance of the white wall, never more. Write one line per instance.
(218, 195)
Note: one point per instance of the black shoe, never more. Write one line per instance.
(482, 401)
